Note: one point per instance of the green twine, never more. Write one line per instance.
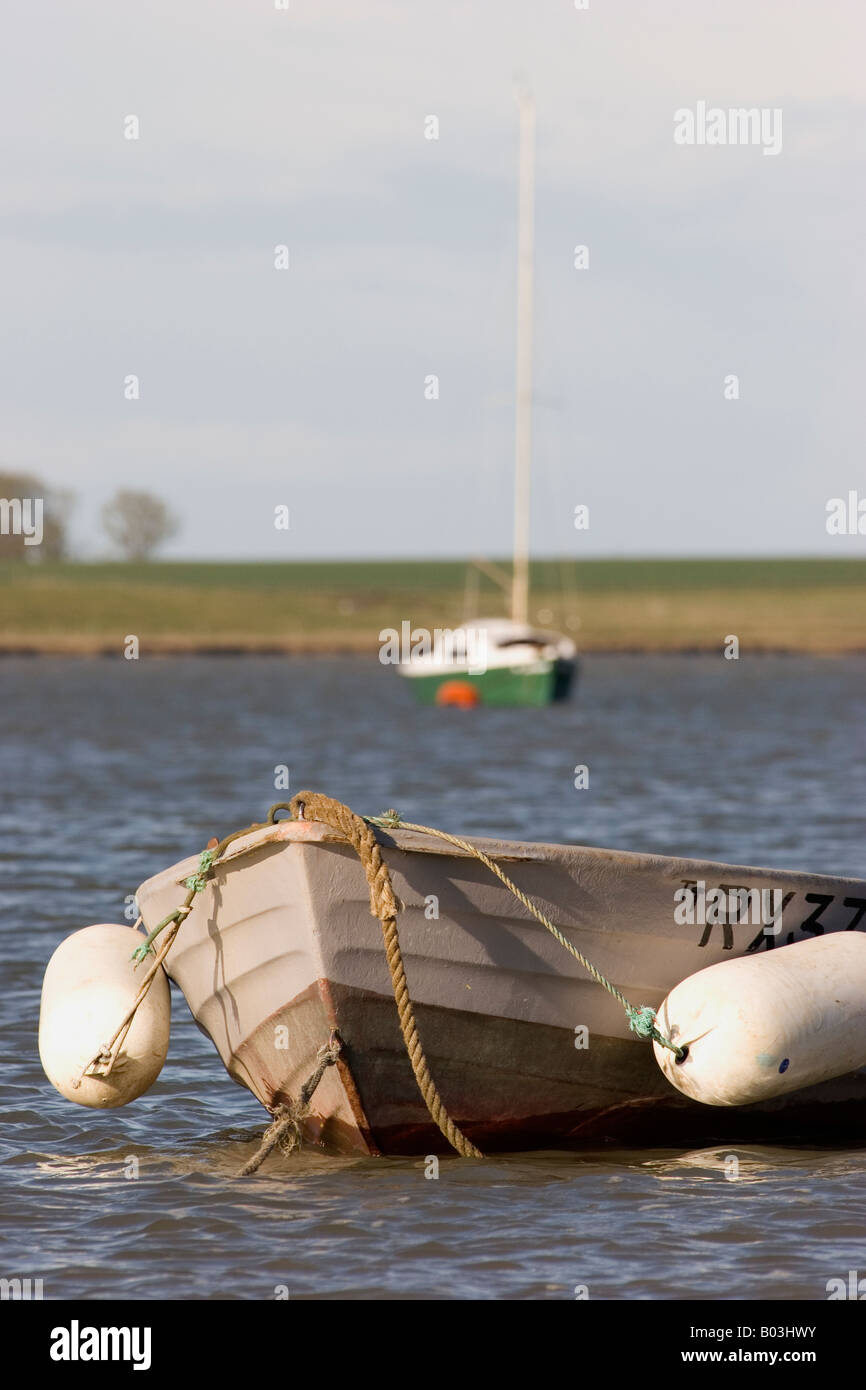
(196, 883)
(643, 1022)
(141, 951)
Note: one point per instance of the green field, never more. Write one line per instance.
(610, 605)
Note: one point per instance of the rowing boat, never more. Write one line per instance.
(280, 950)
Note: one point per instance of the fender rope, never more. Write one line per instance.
(102, 1063)
(641, 1020)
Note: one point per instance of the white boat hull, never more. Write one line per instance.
(281, 948)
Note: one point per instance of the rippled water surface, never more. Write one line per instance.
(112, 770)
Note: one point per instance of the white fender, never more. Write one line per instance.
(90, 983)
(759, 1026)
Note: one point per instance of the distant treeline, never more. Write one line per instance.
(34, 521)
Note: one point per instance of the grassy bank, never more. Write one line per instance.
(610, 605)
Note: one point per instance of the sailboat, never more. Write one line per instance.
(505, 660)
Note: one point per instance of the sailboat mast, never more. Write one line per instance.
(523, 416)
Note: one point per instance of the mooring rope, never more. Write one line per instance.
(383, 904)
(641, 1020)
(286, 1127)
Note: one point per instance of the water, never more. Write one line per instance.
(112, 770)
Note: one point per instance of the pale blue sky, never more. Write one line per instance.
(306, 387)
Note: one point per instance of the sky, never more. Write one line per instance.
(306, 127)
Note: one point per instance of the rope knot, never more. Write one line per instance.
(330, 1051)
(642, 1021)
(285, 1129)
(198, 881)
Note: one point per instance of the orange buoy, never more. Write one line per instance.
(463, 694)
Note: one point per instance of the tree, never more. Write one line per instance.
(138, 523)
(32, 519)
